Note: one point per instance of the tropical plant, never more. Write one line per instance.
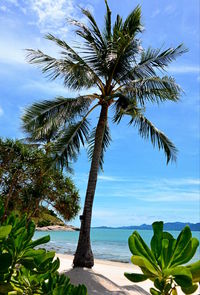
(164, 263)
(26, 270)
(126, 78)
(28, 177)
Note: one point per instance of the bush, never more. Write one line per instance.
(42, 223)
(164, 263)
(26, 270)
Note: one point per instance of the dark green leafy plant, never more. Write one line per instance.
(26, 270)
(29, 177)
(164, 263)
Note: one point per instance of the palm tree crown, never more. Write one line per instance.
(126, 77)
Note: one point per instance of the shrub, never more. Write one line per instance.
(44, 223)
(164, 263)
(26, 270)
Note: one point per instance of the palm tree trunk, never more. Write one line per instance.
(84, 256)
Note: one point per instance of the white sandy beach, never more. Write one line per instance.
(105, 278)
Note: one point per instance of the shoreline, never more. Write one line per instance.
(106, 277)
(57, 228)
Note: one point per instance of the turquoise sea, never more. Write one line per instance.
(109, 244)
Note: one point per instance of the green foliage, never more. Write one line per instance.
(164, 262)
(125, 74)
(26, 270)
(42, 223)
(28, 177)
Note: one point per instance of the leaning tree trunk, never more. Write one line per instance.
(84, 256)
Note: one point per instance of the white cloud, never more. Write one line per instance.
(110, 178)
(49, 15)
(1, 111)
(172, 197)
(184, 69)
(3, 8)
(153, 190)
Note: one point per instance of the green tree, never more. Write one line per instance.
(29, 177)
(126, 77)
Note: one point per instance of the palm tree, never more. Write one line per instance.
(126, 77)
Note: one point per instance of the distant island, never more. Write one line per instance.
(167, 226)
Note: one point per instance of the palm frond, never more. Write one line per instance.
(105, 143)
(93, 48)
(148, 130)
(125, 105)
(72, 55)
(71, 67)
(132, 24)
(154, 89)
(42, 118)
(93, 24)
(151, 61)
(68, 143)
(158, 59)
(107, 32)
(117, 28)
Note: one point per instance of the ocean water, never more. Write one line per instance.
(109, 244)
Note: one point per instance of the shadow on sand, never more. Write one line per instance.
(98, 284)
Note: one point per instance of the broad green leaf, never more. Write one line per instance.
(187, 253)
(55, 265)
(167, 236)
(131, 243)
(157, 227)
(138, 248)
(150, 275)
(34, 253)
(190, 290)
(182, 240)
(146, 249)
(40, 241)
(157, 238)
(30, 232)
(171, 246)
(135, 277)
(159, 284)
(4, 231)
(181, 274)
(143, 262)
(194, 268)
(154, 291)
(28, 262)
(164, 253)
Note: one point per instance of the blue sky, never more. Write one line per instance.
(136, 186)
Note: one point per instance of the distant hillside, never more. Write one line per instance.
(47, 217)
(167, 226)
